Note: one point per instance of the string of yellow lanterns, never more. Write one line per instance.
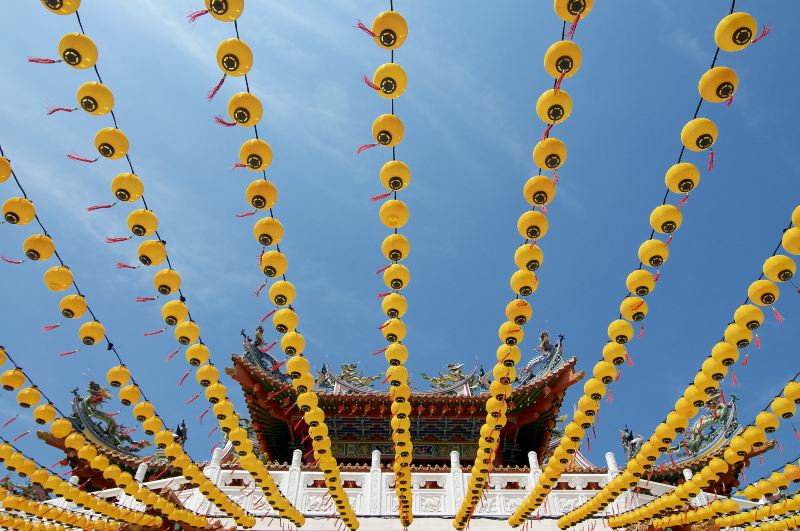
(699, 134)
(562, 60)
(777, 513)
(738, 334)
(235, 58)
(389, 31)
(753, 436)
(41, 247)
(112, 143)
(25, 467)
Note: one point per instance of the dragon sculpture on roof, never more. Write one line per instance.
(102, 425)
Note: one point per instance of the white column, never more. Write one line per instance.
(291, 489)
(536, 471)
(456, 494)
(214, 468)
(374, 486)
(141, 472)
(700, 499)
(611, 462)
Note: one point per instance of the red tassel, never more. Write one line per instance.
(555, 176)
(172, 355)
(267, 316)
(594, 433)
(145, 299)
(778, 317)
(369, 83)
(365, 147)
(384, 294)
(711, 159)
(765, 30)
(641, 330)
(246, 214)
(683, 200)
(610, 397)
(557, 85)
(729, 101)
(365, 29)
(212, 432)
(384, 325)
(618, 376)
(382, 269)
(758, 341)
(50, 327)
(672, 459)
(268, 348)
(10, 261)
(376, 352)
(154, 333)
(21, 435)
(544, 209)
(53, 110)
(277, 366)
(79, 158)
(629, 360)
(669, 241)
(722, 397)
(120, 265)
(194, 15)
(547, 131)
(745, 360)
(43, 60)
(98, 207)
(796, 433)
(761, 461)
(734, 379)
(68, 353)
(183, 379)
(573, 27)
(221, 121)
(258, 291)
(385, 380)
(195, 397)
(780, 448)
(656, 276)
(118, 240)
(9, 421)
(588, 445)
(238, 165)
(213, 91)
(380, 196)
(203, 414)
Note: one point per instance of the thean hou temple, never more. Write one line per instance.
(304, 421)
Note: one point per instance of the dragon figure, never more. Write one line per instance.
(104, 423)
(349, 375)
(549, 358)
(705, 428)
(451, 376)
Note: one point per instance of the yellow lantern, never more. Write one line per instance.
(293, 343)
(633, 308)
(699, 134)
(187, 332)
(735, 32)
(245, 109)
(152, 425)
(570, 10)
(763, 292)
(391, 80)
(234, 57)
(653, 253)
(682, 178)
(389, 29)
(111, 143)
(142, 222)
(78, 50)
(519, 311)
(395, 175)
(791, 240)
(5, 169)
(297, 366)
(387, 130)
(29, 396)
(18, 211)
(285, 320)
(640, 282)
(197, 354)
(44, 414)
(767, 421)
(779, 268)
(395, 247)
(268, 231)
(396, 276)
(604, 371)
(396, 354)
(143, 411)
(216, 392)
(666, 219)
(792, 391)
(524, 282)
(166, 281)
(783, 407)
(208, 374)
(62, 7)
(38, 247)
(91, 332)
(95, 98)
(528, 256)
(261, 194)
(60, 428)
(614, 352)
(562, 58)
(58, 278)
(151, 252)
(718, 84)
(550, 153)
(394, 213)
(554, 106)
(394, 330)
(748, 316)
(714, 369)
(539, 190)
(532, 225)
(738, 335)
(620, 331)
(274, 263)
(282, 293)
(255, 154)
(130, 394)
(725, 353)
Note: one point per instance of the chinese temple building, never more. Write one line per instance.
(446, 420)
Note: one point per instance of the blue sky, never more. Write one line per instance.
(475, 72)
